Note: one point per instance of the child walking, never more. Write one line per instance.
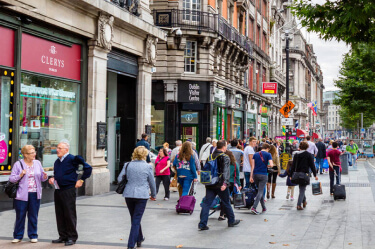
(288, 181)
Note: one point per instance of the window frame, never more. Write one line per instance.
(195, 56)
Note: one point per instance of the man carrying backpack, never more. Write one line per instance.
(220, 189)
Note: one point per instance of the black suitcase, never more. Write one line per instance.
(339, 192)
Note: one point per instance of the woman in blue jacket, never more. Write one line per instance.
(186, 170)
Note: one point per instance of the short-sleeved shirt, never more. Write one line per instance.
(260, 167)
(237, 153)
(246, 163)
(334, 157)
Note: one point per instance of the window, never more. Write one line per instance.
(258, 37)
(190, 56)
(251, 29)
(4, 118)
(191, 10)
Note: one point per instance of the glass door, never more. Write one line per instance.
(190, 132)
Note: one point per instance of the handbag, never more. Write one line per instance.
(122, 184)
(11, 188)
(300, 178)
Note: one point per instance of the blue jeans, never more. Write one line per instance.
(319, 164)
(136, 209)
(352, 159)
(247, 179)
(31, 207)
(225, 202)
(332, 177)
(185, 182)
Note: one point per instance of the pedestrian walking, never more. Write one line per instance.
(352, 148)
(30, 174)
(137, 191)
(319, 160)
(234, 180)
(220, 189)
(162, 172)
(238, 155)
(303, 161)
(213, 148)
(176, 150)
(196, 157)
(186, 168)
(312, 147)
(205, 152)
(276, 170)
(333, 158)
(288, 175)
(262, 160)
(143, 142)
(279, 147)
(166, 146)
(66, 181)
(248, 160)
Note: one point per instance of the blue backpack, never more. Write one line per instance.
(210, 174)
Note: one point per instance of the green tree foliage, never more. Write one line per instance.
(351, 21)
(357, 86)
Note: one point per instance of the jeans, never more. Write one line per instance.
(302, 196)
(352, 159)
(166, 181)
(260, 181)
(247, 179)
(31, 207)
(136, 209)
(332, 177)
(319, 164)
(185, 182)
(225, 202)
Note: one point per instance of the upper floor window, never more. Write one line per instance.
(190, 56)
(191, 9)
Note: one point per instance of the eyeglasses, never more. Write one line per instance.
(31, 153)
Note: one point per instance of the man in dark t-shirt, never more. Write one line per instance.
(333, 158)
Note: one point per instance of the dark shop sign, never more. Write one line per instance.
(193, 92)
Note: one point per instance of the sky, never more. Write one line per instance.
(329, 55)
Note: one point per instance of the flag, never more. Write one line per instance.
(313, 106)
(284, 130)
(296, 124)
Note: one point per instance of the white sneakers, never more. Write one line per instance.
(19, 240)
(166, 199)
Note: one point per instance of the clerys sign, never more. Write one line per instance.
(269, 89)
(193, 92)
(51, 58)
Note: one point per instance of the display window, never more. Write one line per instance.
(157, 123)
(49, 113)
(237, 127)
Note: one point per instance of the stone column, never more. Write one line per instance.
(98, 183)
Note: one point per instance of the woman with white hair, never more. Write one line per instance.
(213, 148)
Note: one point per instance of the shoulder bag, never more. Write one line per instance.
(269, 170)
(121, 186)
(300, 177)
(11, 188)
(203, 153)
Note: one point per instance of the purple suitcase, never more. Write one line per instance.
(186, 204)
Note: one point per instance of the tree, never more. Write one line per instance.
(351, 21)
(357, 84)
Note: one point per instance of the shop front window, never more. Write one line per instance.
(4, 119)
(48, 114)
(157, 123)
(237, 125)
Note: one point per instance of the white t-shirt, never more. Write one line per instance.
(246, 163)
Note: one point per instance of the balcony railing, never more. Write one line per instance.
(201, 21)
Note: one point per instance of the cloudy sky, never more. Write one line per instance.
(329, 55)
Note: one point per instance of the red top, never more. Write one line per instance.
(161, 164)
(334, 156)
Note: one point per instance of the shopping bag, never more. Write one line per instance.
(325, 164)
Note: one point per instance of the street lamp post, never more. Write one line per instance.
(287, 145)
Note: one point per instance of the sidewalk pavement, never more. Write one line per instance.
(103, 221)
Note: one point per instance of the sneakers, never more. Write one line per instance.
(34, 240)
(264, 210)
(292, 198)
(287, 196)
(166, 199)
(254, 211)
(235, 223)
(16, 240)
(221, 218)
(203, 228)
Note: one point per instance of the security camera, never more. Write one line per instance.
(178, 32)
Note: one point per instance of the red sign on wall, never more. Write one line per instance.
(47, 57)
(6, 47)
(269, 89)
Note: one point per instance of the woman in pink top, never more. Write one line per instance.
(162, 171)
(30, 174)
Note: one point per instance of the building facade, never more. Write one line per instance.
(79, 71)
(333, 127)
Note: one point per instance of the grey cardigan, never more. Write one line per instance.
(140, 180)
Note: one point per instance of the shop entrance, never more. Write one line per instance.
(189, 129)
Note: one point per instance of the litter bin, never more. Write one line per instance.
(344, 159)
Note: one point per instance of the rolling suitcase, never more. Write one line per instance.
(317, 188)
(186, 203)
(339, 192)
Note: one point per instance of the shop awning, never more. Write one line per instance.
(302, 133)
(315, 135)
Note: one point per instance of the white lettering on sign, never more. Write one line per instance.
(194, 92)
(47, 91)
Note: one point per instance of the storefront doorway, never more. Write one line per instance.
(189, 132)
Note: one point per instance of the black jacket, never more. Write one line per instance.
(302, 162)
(321, 150)
(223, 163)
